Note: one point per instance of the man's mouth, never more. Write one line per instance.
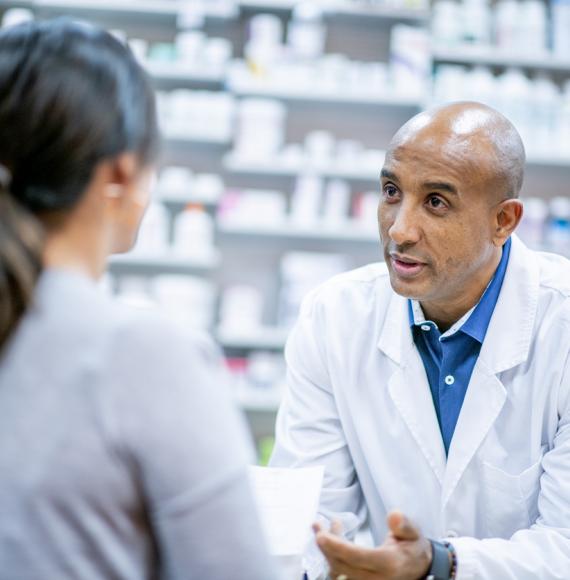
(406, 266)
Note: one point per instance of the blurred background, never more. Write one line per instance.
(275, 116)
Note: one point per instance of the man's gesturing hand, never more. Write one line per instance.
(404, 555)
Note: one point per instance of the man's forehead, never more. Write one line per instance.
(468, 143)
(450, 154)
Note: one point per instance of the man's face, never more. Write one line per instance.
(436, 218)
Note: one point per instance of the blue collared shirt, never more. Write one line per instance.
(449, 358)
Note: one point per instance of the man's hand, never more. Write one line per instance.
(404, 555)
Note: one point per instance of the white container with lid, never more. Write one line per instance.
(532, 228)
(175, 182)
(337, 203)
(507, 24)
(533, 29)
(193, 234)
(15, 16)
(446, 22)
(558, 234)
(152, 239)
(306, 33)
(261, 129)
(306, 200)
(476, 20)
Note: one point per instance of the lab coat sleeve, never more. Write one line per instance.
(309, 431)
(543, 551)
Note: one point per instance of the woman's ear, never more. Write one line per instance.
(508, 217)
(121, 176)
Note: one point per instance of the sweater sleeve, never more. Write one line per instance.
(174, 423)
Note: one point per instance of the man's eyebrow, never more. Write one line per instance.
(388, 175)
(440, 186)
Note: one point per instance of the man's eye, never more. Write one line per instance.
(435, 202)
(390, 191)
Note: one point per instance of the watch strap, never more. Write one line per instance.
(440, 568)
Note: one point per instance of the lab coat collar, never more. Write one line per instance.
(509, 333)
(510, 330)
(396, 340)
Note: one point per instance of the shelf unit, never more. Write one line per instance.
(258, 400)
(178, 201)
(279, 167)
(493, 56)
(359, 24)
(171, 8)
(264, 338)
(128, 263)
(174, 72)
(340, 8)
(320, 231)
(205, 139)
(148, 9)
(265, 89)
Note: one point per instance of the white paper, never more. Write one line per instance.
(288, 500)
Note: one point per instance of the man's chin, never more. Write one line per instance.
(411, 289)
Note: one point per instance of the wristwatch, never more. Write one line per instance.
(441, 566)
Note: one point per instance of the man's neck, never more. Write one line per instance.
(447, 312)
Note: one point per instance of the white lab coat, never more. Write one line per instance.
(358, 401)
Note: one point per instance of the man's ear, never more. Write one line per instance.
(507, 218)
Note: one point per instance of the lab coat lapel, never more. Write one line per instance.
(483, 402)
(506, 345)
(408, 386)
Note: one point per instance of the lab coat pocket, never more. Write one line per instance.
(510, 500)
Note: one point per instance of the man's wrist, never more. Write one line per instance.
(443, 562)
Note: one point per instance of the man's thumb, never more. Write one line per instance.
(401, 527)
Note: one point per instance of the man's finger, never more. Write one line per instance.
(338, 550)
(338, 568)
(401, 527)
(336, 528)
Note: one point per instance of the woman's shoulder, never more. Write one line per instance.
(77, 313)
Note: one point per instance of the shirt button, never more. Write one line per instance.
(449, 380)
(425, 327)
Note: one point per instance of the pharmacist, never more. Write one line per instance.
(438, 384)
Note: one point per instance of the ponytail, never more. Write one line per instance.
(21, 240)
(71, 97)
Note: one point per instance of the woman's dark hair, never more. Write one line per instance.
(71, 96)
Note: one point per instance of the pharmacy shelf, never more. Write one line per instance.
(491, 55)
(288, 230)
(549, 160)
(197, 139)
(16, 4)
(144, 8)
(343, 8)
(184, 74)
(263, 338)
(381, 12)
(278, 167)
(255, 88)
(177, 200)
(127, 263)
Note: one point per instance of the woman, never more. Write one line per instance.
(121, 456)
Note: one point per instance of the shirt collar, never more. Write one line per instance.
(475, 322)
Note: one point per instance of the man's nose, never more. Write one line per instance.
(405, 228)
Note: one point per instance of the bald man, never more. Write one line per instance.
(435, 387)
